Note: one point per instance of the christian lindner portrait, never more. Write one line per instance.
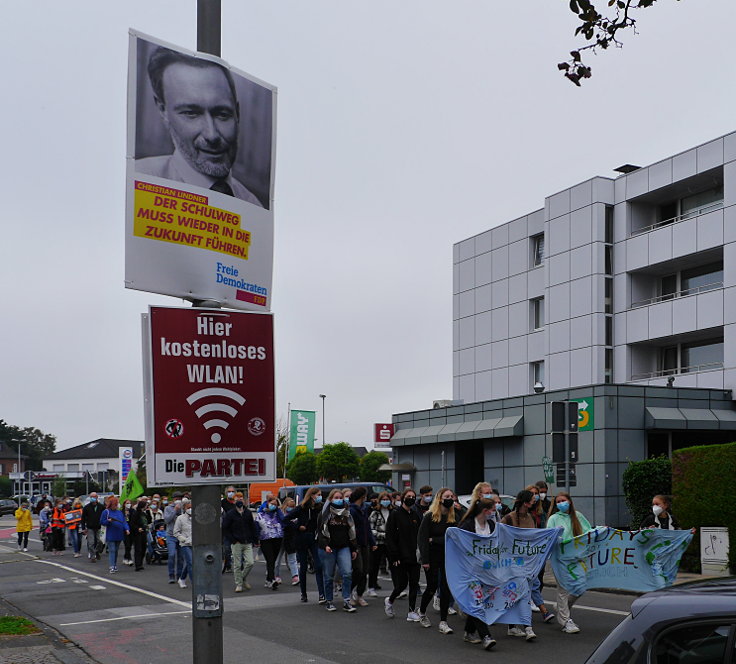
(199, 123)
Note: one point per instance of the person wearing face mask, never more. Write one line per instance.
(242, 532)
(424, 500)
(183, 533)
(58, 528)
(544, 505)
(337, 547)
(306, 516)
(377, 521)
(396, 498)
(288, 545)
(23, 525)
(127, 510)
(116, 528)
(175, 559)
(573, 523)
(270, 521)
(90, 526)
(482, 490)
(366, 544)
(139, 521)
(431, 541)
(227, 503)
(402, 530)
(501, 509)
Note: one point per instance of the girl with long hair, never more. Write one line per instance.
(337, 547)
(377, 520)
(306, 516)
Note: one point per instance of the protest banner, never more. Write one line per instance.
(608, 558)
(490, 576)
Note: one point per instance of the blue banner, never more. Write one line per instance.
(608, 558)
(489, 576)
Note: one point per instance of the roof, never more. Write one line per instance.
(102, 448)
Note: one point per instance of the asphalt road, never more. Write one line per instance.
(139, 618)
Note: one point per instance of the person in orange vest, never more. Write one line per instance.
(58, 528)
(23, 526)
(73, 520)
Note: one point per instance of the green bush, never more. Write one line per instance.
(302, 469)
(369, 466)
(701, 481)
(643, 480)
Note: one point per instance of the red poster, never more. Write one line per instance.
(210, 393)
(383, 433)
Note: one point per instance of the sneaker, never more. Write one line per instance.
(268, 584)
(424, 621)
(535, 608)
(360, 601)
(76, 555)
(246, 586)
(515, 631)
(403, 594)
(182, 583)
(321, 599)
(529, 633)
(451, 612)
(304, 598)
(548, 617)
(436, 603)
(238, 589)
(127, 562)
(330, 606)
(295, 580)
(570, 628)
(413, 616)
(112, 570)
(93, 560)
(471, 638)
(347, 606)
(445, 628)
(278, 579)
(25, 548)
(20, 548)
(388, 607)
(372, 592)
(488, 642)
(275, 585)
(172, 579)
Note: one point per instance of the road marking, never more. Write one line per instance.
(97, 587)
(54, 580)
(142, 615)
(186, 605)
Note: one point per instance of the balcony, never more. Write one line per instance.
(690, 214)
(663, 373)
(682, 293)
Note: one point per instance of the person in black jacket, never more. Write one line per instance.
(660, 516)
(241, 531)
(365, 545)
(139, 523)
(90, 526)
(402, 528)
(227, 504)
(306, 516)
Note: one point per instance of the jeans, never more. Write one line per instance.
(176, 561)
(242, 561)
(186, 554)
(75, 538)
(290, 562)
(343, 560)
(536, 587)
(112, 553)
(305, 547)
(93, 537)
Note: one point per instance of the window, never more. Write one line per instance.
(537, 249)
(608, 368)
(692, 644)
(692, 281)
(690, 357)
(537, 313)
(690, 206)
(58, 467)
(608, 237)
(102, 466)
(72, 466)
(608, 296)
(537, 373)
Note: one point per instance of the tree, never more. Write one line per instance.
(34, 443)
(338, 462)
(600, 30)
(282, 446)
(369, 465)
(302, 469)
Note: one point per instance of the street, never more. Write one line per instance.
(138, 617)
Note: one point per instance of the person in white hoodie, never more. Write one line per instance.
(183, 533)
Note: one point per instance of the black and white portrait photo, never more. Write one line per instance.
(200, 123)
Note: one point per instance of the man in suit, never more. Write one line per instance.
(197, 102)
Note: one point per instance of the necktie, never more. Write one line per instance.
(222, 186)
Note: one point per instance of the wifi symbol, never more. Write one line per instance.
(215, 408)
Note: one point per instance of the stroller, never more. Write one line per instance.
(158, 551)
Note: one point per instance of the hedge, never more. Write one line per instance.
(702, 481)
(642, 480)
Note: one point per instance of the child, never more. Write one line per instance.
(24, 525)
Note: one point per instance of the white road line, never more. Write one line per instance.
(186, 605)
(142, 615)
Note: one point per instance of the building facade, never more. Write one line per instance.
(615, 284)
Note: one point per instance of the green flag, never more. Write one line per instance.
(132, 488)
(301, 432)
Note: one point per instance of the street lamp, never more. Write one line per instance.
(323, 397)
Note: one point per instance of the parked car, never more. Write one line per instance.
(297, 492)
(7, 506)
(688, 622)
(507, 500)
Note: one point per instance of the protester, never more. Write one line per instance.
(288, 546)
(402, 529)
(116, 528)
(544, 505)
(58, 528)
(23, 525)
(502, 509)
(183, 533)
(337, 547)
(306, 516)
(478, 520)
(175, 557)
(480, 490)
(128, 508)
(227, 504)
(270, 522)
(563, 513)
(90, 526)
(73, 519)
(660, 516)
(240, 529)
(536, 512)
(424, 500)
(44, 524)
(377, 521)
(431, 542)
(139, 522)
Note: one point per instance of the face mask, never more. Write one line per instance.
(127, 505)
(230, 494)
(239, 503)
(272, 508)
(166, 502)
(397, 503)
(536, 498)
(427, 499)
(68, 502)
(499, 507)
(543, 496)
(448, 502)
(177, 503)
(318, 499)
(409, 501)
(288, 509)
(337, 502)
(489, 496)
(657, 510)
(189, 511)
(385, 503)
(563, 507)
(23, 507)
(93, 500)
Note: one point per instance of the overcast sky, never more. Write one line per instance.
(403, 127)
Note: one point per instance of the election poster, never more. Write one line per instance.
(301, 432)
(209, 391)
(199, 178)
(624, 560)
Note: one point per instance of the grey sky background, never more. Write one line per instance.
(403, 127)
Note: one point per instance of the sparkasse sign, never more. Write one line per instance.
(209, 396)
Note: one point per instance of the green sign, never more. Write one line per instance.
(586, 421)
(549, 471)
(301, 432)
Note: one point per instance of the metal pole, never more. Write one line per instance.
(209, 26)
(324, 441)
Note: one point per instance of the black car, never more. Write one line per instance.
(689, 623)
(7, 506)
